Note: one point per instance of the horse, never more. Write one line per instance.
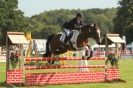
(78, 39)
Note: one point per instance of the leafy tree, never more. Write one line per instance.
(123, 22)
(51, 21)
(11, 18)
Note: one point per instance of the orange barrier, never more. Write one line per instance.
(75, 58)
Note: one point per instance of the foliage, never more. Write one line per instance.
(14, 60)
(124, 20)
(50, 22)
(11, 18)
(113, 60)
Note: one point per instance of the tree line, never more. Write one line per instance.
(110, 20)
(51, 21)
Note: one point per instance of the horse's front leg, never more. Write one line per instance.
(51, 61)
(52, 56)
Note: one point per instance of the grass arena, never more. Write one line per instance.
(125, 73)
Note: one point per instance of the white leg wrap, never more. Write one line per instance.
(83, 62)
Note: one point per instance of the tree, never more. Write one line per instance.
(123, 22)
(52, 21)
(11, 18)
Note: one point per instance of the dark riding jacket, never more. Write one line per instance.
(72, 24)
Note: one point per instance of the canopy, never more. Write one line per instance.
(17, 38)
(116, 39)
(113, 38)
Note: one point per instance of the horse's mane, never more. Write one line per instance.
(86, 26)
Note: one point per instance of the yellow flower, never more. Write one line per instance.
(28, 35)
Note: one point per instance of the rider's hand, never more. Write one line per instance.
(78, 27)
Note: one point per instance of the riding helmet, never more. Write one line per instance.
(78, 15)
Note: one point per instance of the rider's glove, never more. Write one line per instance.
(78, 27)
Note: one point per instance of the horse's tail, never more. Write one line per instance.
(47, 45)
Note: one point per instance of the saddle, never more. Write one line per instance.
(72, 38)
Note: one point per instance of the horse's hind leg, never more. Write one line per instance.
(52, 61)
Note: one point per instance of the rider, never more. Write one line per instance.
(73, 24)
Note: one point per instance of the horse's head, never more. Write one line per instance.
(93, 31)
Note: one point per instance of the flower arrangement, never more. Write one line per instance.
(113, 59)
(14, 59)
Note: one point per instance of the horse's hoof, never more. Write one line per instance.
(48, 64)
(88, 58)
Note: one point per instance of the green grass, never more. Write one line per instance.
(126, 73)
(2, 73)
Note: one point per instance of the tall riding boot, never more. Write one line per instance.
(62, 38)
(66, 39)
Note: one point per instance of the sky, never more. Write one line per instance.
(33, 7)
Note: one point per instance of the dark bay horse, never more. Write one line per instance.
(54, 46)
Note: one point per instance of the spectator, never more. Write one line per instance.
(35, 47)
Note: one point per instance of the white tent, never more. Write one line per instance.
(41, 44)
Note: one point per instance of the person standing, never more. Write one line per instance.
(35, 48)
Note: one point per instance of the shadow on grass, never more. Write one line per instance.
(3, 84)
(115, 81)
